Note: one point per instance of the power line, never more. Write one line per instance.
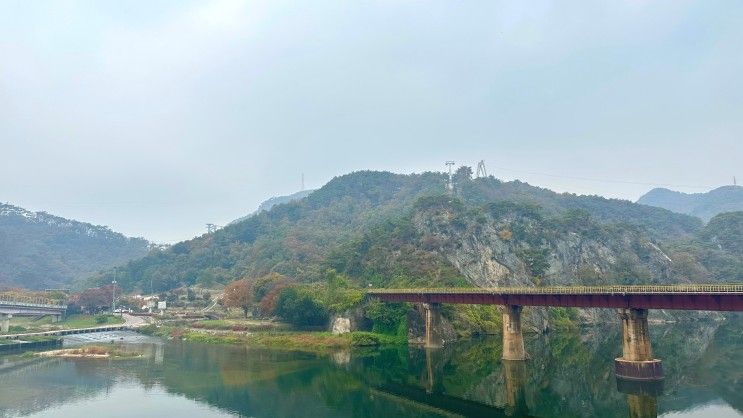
(638, 183)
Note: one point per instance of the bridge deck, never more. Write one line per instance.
(11, 298)
(706, 297)
(20, 305)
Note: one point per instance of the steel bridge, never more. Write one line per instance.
(633, 302)
(701, 297)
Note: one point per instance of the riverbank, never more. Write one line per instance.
(31, 342)
(293, 340)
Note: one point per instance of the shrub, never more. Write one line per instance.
(300, 309)
(388, 318)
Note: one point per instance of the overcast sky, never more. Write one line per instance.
(156, 117)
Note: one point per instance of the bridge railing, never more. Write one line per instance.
(34, 301)
(573, 290)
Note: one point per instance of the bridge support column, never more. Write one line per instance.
(433, 325)
(5, 322)
(56, 318)
(637, 360)
(513, 339)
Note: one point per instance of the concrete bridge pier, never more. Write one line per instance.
(5, 322)
(637, 362)
(513, 339)
(433, 325)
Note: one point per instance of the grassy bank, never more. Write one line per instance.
(238, 325)
(21, 325)
(293, 340)
(88, 321)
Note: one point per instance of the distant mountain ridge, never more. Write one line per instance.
(276, 200)
(703, 205)
(39, 250)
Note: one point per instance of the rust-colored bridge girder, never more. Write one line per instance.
(633, 297)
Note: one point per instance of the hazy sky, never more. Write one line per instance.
(157, 117)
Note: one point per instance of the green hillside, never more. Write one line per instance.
(39, 250)
(390, 229)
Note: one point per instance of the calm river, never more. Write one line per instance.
(569, 374)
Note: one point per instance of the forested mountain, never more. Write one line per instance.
(387, 229)
(703, 205)
(39, 250)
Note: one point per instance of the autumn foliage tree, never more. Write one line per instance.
(239, 294)
(97, 298)
(267, 289)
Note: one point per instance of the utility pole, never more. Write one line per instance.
(481, 171)
(113, 297)
(450, 185)
(302, 182)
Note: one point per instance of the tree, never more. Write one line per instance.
(97, 298)
(239, 294)
(300, 309)
(463, 174)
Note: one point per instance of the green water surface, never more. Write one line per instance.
(569, 374)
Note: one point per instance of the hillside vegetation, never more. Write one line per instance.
(38, 250)
(384, 229)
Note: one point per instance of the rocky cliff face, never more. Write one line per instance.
(517, 248)
(511, 245)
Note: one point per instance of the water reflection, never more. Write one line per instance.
(514, 374)
(569, 374)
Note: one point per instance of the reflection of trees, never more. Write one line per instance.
(721, 366)
(45, 384)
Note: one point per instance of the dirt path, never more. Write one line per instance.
(134, 321)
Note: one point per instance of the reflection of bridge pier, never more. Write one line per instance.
(515, 376)
(5, 322)
(637, 360)
(641, 396)
(430, 377)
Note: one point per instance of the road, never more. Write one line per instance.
(134, 321)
